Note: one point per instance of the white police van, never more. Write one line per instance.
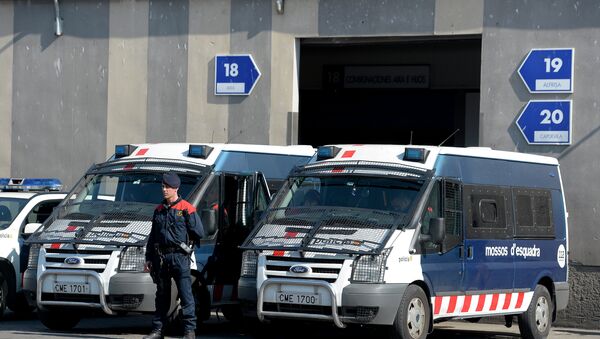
(408, 236)
(90, 254)
(24, 204)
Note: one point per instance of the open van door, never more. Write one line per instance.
(242, 200)
(262, 197)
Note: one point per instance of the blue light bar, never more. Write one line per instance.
(199, 151)
(30, 184)
(415, 154)
(327, 152)
(123, 150)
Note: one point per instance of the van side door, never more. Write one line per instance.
(489, 266)
(442, 264)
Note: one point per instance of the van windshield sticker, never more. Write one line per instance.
(347, 230)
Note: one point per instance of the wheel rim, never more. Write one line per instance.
(415, 322)
(542, 314)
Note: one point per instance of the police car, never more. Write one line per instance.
(484, 233)
(91, 254)
(23, 208)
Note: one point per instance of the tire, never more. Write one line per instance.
(414, 315)
(473, 320)
(202, 303)
(536, 321)
(3, 294)
(58, 321)
(233, 313)
(21, 307)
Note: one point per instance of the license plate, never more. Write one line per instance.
(72, 288)
(298, 298)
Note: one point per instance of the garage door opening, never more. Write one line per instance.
(390, 92)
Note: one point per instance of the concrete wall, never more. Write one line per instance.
(7, 39)
(131, 71)
(518, 27)
(511, 29)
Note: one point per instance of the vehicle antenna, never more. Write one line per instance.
(450, 136)
(410, 142)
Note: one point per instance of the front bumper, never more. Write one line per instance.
(30, 286)
(360, 303)
(131, 292)
(561, 290)
(127, 292)
(373, 303)
(247, 296)
(55, 300)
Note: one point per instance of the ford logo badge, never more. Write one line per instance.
(299, 269)
(73, 261)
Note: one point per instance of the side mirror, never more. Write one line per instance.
(209, 221)
(437, 230)
(31, 228)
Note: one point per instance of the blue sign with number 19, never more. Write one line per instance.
(548, 70)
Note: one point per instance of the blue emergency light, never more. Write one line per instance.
(327, 152)
(123, 150)
(30, 184)
(415, 154)
(199, 151)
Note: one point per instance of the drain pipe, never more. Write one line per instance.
(58, 29)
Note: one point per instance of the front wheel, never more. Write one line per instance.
(59, 321)
(414, 314)
(536, 321)
(232, 313)
(3, 294)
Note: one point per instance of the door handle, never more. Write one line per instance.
(470, 252)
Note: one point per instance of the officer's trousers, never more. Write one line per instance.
(176, 266)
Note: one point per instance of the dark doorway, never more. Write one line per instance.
(384, 92)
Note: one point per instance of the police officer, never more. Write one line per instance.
(168, 256)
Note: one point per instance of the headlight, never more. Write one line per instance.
(369, 268)
(34, 254)
(133, 259)
(249, 264)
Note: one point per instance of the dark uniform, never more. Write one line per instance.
(173, 225)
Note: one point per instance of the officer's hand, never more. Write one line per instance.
(148, 266)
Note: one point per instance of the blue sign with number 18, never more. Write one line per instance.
(235, 74)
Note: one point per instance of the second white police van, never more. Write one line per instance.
(90, 253)
(408, 236)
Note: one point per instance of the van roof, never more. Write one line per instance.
(395, 154)
(179, 151)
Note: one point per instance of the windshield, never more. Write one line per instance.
(112, 207)
(9, 208)
(336, 213)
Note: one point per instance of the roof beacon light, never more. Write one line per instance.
(199, 151)
(415, 154)
(327, 152)
(123, 150)
(30, 184)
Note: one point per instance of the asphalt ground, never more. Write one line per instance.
(136, 326)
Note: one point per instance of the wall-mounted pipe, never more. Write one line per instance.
(58, 29)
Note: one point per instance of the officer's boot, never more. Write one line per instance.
(189, 335)
(155, 334)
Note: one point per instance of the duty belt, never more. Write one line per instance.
(169, 250)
